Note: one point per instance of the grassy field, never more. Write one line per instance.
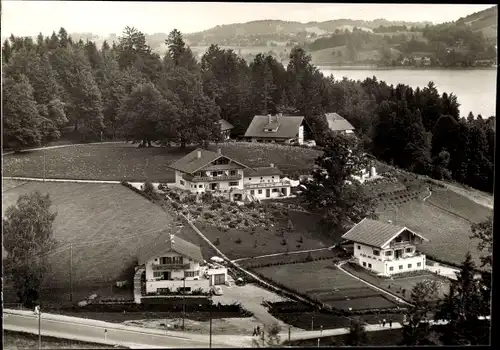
(18, 341)
(106, 225)
(289, 258)
(459, 205)
(322, 280)
(128, 162)
(390, 337)
(448, 234)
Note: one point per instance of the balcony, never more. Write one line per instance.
(170, 267)
(404, 244)
(267, 184)
(192, 178)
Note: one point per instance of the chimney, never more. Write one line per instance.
(219, 150)
(269, 118)
(271, 165)
(198, 154)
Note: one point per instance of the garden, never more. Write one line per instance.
(252, 229)
(323, 282)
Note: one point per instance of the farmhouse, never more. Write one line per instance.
(278, 128)
(205, 171)
(172, 264)
(225, 128)
(338, 124)
(384, 248)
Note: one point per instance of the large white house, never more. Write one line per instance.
(172, 263)
(384, 248)
(205, 171)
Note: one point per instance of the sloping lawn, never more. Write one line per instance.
(128, 162)
(106, 225)
(322, 280)
(448, 234)
(459, 205)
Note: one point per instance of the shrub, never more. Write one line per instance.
(232, 225)
(284, 242)
(217, 241)
(309, 257)
(198, 291)
(300, 240)
(208, 215)
(238, 241)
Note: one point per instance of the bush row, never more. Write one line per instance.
(146, 195)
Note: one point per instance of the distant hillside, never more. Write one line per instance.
(485, 21)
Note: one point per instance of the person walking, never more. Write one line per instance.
(383, 322)
(258, 330)
(390, 323)
(254, 332)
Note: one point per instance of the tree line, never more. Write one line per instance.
(55, 86)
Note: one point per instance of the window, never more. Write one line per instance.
(400, 267)
(220, 173)
(260, 191)
(182, 289)
(409, 250)
(409, 266)
(171, 260)
(249, 178)
(364, 264)
(191, 273)
(181, 182)
(233, 183)
(359, 247)
(391, 268)
(214, 173)
(272, 177)
(200, 186)
(376, 252)
(252, 192)
(388, 253)
(261, 177)
(370, 266)
(275, 190)
(232, 172)
(157, 274)
(419, 264)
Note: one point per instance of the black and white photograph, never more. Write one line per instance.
(247, 174)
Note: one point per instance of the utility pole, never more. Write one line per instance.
(320, 334)
(312, 322)
(39, 328)
(183, 301)
(71, 272)
(44, 150)
(210, 316)
(289, 334)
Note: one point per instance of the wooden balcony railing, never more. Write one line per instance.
(170, 267)
(268, 184)
(191, 178)
(403, 244)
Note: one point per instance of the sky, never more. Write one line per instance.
(28, 18)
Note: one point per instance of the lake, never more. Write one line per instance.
(475, 89)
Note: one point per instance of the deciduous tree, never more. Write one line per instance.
(27, 236)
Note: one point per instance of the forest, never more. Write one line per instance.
(54, 86)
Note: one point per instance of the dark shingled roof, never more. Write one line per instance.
(337, 123)
(288, 126)
(190, 163)
(166, 243)
(263, 171)
(375, 233)
(225, 125)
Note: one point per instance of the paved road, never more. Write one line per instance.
(124, 336)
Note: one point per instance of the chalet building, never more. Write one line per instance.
(205, 171)
(384, 248)
(339, 124)
(225, 128)
(278, 128)
(170, 260)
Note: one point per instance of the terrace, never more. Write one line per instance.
(267, 184)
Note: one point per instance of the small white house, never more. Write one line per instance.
(384, 248)
(172, 263)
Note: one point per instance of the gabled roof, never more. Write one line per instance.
(225, 125)
(375, 233)
(190, 163)
(169, 243)
(288, 126)
(263, 171)
(338, 123)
